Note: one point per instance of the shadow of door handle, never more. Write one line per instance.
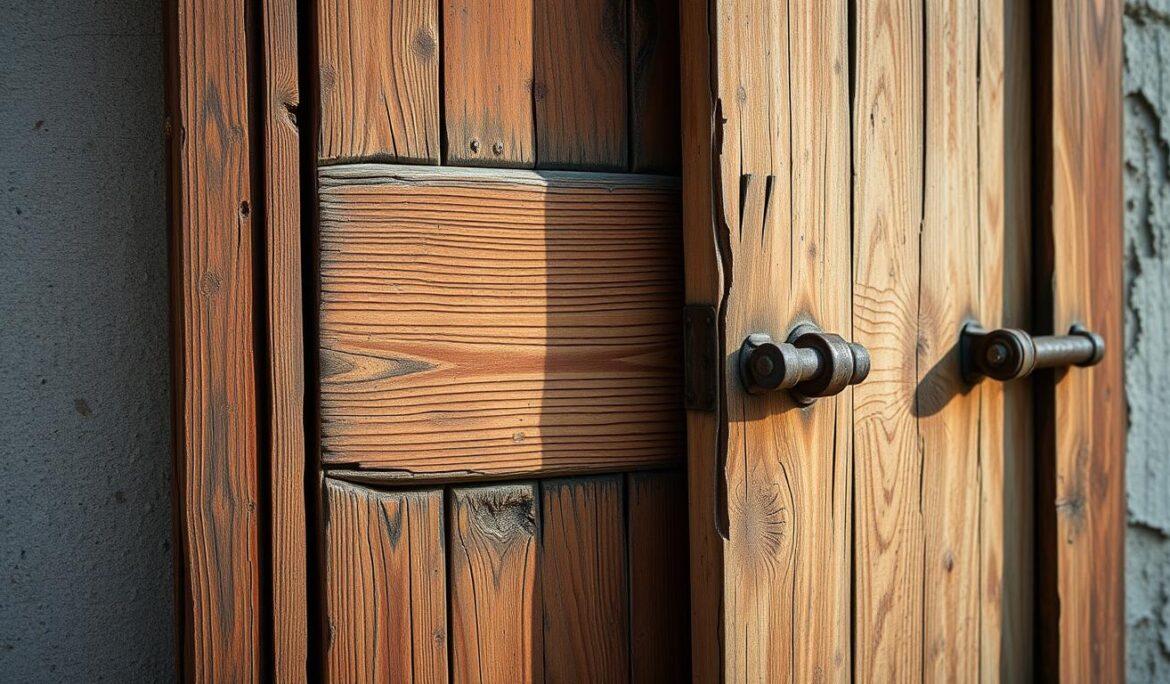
(810, 364)
(1009, 353)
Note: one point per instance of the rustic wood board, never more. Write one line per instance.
(379, 80)
(488, 322)
(583, 580)
(217, 478)
(488, 82)
(1081, 422)
(655, 140)
(496, 609)
(384, 585)
(580, 87)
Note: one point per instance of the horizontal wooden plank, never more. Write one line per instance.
(499, 322)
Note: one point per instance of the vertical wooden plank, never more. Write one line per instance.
(488, 82)
(888, 149)
(580, 87)
(379, 80)
(1005, 419)
(655, 139)
(1080, 472)
(948, 296)
(385, 585)
(286, 386)
(216, 461)
(583, 580)
(496, 610)
(659, 610)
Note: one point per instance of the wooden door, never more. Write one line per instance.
(499, 294)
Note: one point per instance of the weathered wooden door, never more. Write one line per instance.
(459, 386)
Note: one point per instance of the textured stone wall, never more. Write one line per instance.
(1147, 226)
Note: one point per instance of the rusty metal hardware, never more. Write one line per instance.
(1009, 354)
(700, 350)
(810, 364)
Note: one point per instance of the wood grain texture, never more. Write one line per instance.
(496, 609)
(487, 322)
(1080, 473)
(581, 88)
(659, 609)
(379, 80)
(216, 475)
(385, 589)
(655, 138)
(285, 339)
(888, 204)
(488, 63)
(583, 580)
(1005, 419)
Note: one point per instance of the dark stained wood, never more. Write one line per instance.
(384, 585)
(486, 323)
(216, 475)
(1080, 469)
(583, 580)
(285, 337)
(580, 87)
(379, 80)
(496, 610)
(488, 82)
(659, 606)
(655, 138)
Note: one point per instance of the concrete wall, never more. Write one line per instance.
(85, 557)
(85, 577)
(1147, 225)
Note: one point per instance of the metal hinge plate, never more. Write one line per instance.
(700, 358)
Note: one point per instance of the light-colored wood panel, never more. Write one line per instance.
(498, 322)
(583, 580)
(1005, 419)
(1081, 471)
(580, 89)
(659, 609)
(948, 297)
(655, 139)
(496, 610)
(379, 80)
(385, 585)
(286, 362)
(888, 148)
(217, 460)
(488, 57)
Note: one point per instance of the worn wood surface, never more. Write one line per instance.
(1005, 419)
(487, 82)
(580, 86)
(1080, 471)
(496, 609)
(655, 143)
(384, 585)
(659, 609)
(379, 80)
(488, 322)
(583, 580)
(216, 474)
(285, 339)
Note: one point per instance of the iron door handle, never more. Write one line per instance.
(810, 364)
(1009, 354)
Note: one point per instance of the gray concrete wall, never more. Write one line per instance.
(85, 558)
(1147, 226)
(85, 578)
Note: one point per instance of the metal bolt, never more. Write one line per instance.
(997, 354)
(764, 365)
(475, 145)
(498, 148)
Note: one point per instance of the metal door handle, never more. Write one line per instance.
(810, 364)
(1008, 353)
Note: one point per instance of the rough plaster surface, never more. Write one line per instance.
(1147, 226)
(85, 559)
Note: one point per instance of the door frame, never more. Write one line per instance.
(243, 482)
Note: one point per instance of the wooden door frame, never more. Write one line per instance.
(238, 360)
